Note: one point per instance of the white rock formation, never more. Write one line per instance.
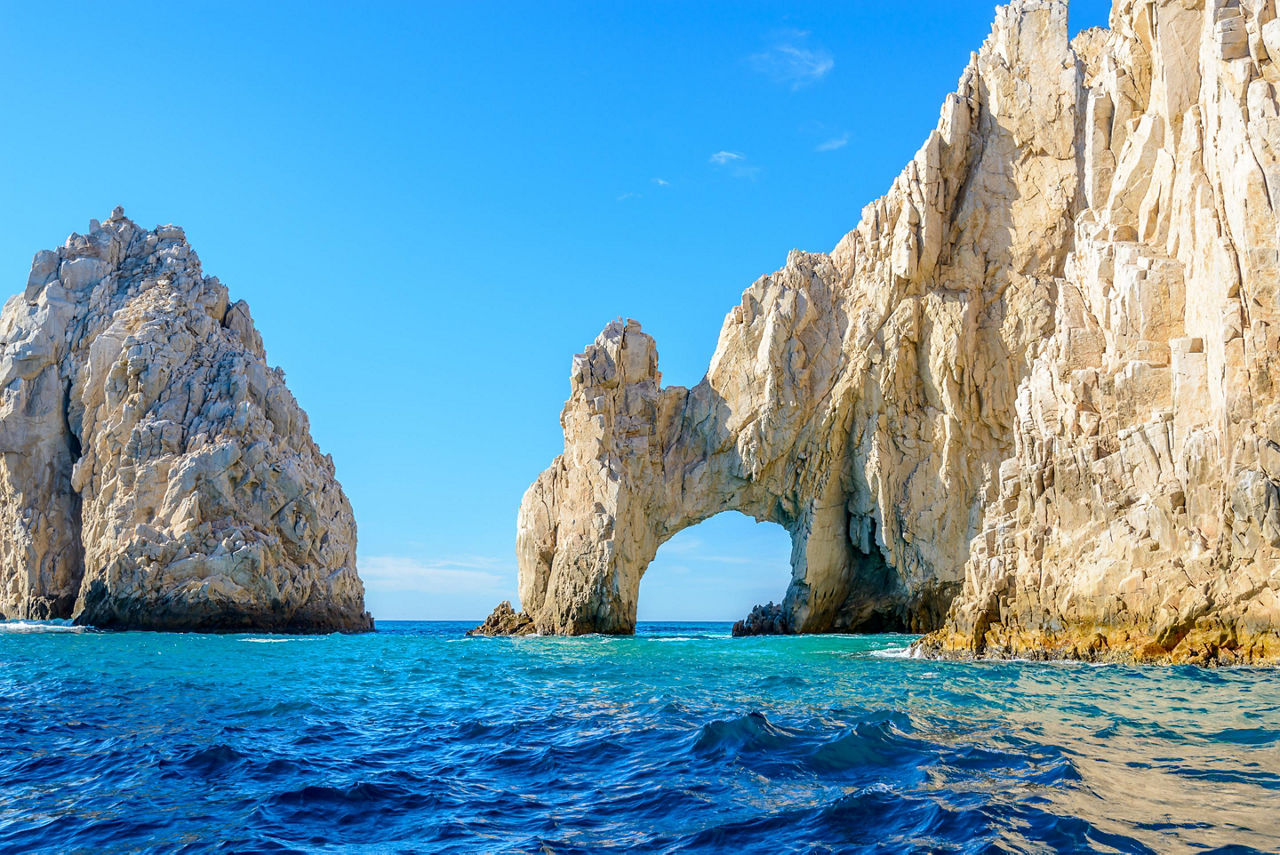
(155, 473)
(1038, 375)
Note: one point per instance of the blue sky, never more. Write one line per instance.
(431, 207)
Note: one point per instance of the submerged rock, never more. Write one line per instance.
(155, 472)
(505, 621)
(1029, 402)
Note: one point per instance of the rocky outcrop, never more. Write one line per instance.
(505, 620)
(1027, 403)
(155, 473)
(769, 619)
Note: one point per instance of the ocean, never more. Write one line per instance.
(415, 738)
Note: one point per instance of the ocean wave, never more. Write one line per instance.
(280, 640)
(746, 733)
(907, 652)
(406, 741)
(208, 761)
(41, 626)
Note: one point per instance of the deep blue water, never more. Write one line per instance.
(681, 739)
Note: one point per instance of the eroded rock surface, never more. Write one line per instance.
(505, 620)
(769, 619)
(1031, 396)
(155, 473)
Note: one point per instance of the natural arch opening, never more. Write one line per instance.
(643, 463)
(841, 583)
(716, 571)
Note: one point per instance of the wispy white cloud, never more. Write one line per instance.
(833, 143)
(736, 163)
(467, 575)
(662, 182)
(683, 544)
(676, 569)
(692, 549)
(625, 196)
(724, 559)
(793, 60)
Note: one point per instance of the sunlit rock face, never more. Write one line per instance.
(1027, 403)
(1139, 513)
(155, 473)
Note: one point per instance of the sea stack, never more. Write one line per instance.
(155, 472)
(1029, 404)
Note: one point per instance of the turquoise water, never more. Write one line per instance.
(682, 739)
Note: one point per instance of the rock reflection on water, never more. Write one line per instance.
(1179, 758)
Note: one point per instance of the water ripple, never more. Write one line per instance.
(678, 740)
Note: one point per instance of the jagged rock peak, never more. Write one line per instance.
(155, 472)
(1027, 403)
(505, 620)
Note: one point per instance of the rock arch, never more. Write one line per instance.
(773, 438)
(863, 400)
(1038, 377)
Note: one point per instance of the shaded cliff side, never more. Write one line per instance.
(1026, 404)
(155, 473)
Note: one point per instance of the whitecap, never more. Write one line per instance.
(894, 653)
(275, 640)
(40, 626)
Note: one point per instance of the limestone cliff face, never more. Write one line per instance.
(1034, 385)
(155, 473)
(1139, 514)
